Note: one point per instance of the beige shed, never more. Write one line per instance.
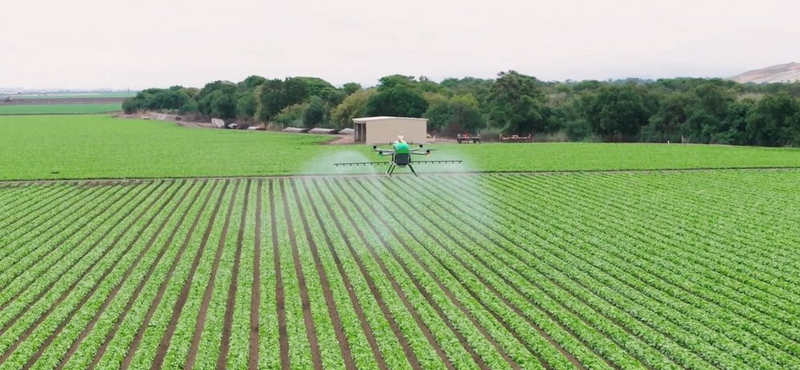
(384, 130)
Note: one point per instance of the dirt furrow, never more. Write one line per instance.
(373, 288)
(280, 299)
(201, 316)
(77, 281)
(490, 287)
(111, 333)
(516, 309)
(316, 355)
(226, 328)
(425, 294)
(583, 286)
(350, 291)
(118, 284)
(67, 215)
(165, 340)
(32, 202)
(77, 342)
(344, 347)
(67, 292)
(255, 293)
(48, 225)
(439, 311)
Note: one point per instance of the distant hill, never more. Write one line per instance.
(788, 72)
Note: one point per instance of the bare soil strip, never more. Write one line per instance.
(67, 292)
(478, 360)
(567, 291)
(201, 316)
(316, 355)
(110, 335)
(50, 249)
(344, 346)
(490, 287)
(163, 346)
(350, 291)
(226, 328)
(373, 289)
(76, 343)
(280, 298)
(255, 292)
(77, 281)
(118, 284)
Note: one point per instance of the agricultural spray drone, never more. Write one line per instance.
(401, 154)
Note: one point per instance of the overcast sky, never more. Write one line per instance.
(143, 43)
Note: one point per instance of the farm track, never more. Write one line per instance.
(527, 270)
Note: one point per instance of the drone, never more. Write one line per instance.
(401, 154)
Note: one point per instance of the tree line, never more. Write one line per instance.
(677, 110)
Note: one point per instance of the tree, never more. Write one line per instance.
(314, 114)
(351, 87)
(455, 115)
(274, 95)
(666, 124)
(615, 112)
(517, 104)
(392, 81)
(216, 99)
(400, 101)
(353, 106)
(291, 115)
(246, 105)
(251, 82)
(775, 121)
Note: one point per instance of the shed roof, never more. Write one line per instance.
(383, 118)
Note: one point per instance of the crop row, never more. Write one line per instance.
(583, 271)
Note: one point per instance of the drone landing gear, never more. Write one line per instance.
(392, 166)
(390, 170)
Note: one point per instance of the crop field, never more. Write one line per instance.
(79, 147)
(605, 270)
(78, 108)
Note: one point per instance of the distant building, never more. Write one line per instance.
(384, 130)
